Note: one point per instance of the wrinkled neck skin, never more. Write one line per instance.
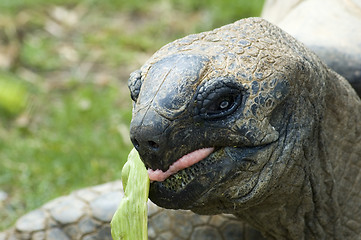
(319, 196)
(314, 170)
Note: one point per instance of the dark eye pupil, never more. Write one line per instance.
(224, 104)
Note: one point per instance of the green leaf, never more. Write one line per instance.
(130, 220)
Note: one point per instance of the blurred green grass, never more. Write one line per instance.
(64, 105)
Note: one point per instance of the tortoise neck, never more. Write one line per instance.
(319, 196)
(341, 140)
(302, 209)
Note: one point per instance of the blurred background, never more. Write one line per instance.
(64, 103)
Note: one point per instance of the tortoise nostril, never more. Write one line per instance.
(153, 145)
(135, 143)
(141, 145)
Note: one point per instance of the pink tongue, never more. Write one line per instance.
(182, 163)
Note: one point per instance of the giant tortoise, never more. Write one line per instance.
(242, 121)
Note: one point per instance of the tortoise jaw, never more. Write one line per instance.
(182, 163)
(184, 189)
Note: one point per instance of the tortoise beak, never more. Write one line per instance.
(147, 135)
(165, 94)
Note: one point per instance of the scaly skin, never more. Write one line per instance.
(85, 215)
(297, 131)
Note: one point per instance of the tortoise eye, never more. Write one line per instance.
(134, 84)
(222, 104)
(218, 100)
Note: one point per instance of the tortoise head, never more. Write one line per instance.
(211, 116)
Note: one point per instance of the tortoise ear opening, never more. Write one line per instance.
(134, 84)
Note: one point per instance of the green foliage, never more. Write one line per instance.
(223, 12)
(76, 143)
(15, 5)
(12, 94)
(40, 53)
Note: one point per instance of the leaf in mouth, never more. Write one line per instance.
(130, 220)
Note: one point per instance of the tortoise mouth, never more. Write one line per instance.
(183, 189)
(182, 163)
(215, 173)
(179, 180)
